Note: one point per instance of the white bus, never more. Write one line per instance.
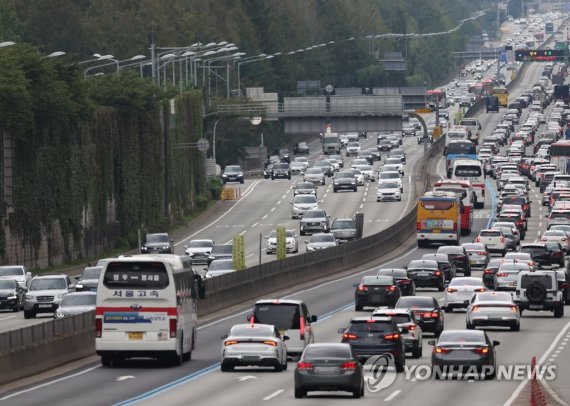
(471, 170)
(146, 307)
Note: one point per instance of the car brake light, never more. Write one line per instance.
(488, 271)
(349, 336)
(502, 275)
(514, 309)
(482, 350)
(230, 342)
(390, 288)
(502, 239)
(173, 327)
(431, 314)
(482, 253)
(478, 239)
(437, 273)
(362, 288)
(394, 336)
(98, 327)
(271, 343)
(480, 290)
(475, 308)
(451, 290)
(405, 281)
(411, 328)
(351, 365)
(564, 285)
(441, 350)
(305, 365)
(302, 327)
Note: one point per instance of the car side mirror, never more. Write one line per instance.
(341, 330)
(285, 338)
(172, 241)
(431, 342)
(29, 274)
(495, 343)
(249, 317)
(313, 319)
(224, 337)
(72, 286)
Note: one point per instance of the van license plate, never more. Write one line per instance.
(136, 336)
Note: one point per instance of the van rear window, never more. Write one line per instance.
(281, 315)
(136, 275)
(468, 171)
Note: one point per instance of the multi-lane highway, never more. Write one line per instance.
(265, 204)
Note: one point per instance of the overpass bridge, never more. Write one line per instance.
(310, 115)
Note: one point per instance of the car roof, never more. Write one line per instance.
(279, 301)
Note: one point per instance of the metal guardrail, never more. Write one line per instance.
(272, 109)
(46, 332)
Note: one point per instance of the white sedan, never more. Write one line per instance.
(388, 190)
(460, 292)
(558, 236)
(391, 176)
(493, 309)
(390, 162)
(291, 243)
(254, 344)
(367, 171)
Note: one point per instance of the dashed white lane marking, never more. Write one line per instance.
(272, 209)
(284, 196)
(250, 255)
(540, 224)
(361, 206)
(363, 199)
(264, 217)
(325, 195)
(274, 394)
(279, 202)
(393, 395)
(243, 232)
(254, 225)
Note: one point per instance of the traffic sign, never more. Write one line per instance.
(503, 57)
(423, 111)
(540, 55)
(203, 144)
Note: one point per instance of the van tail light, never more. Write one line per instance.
(362, 288)
(481, 350)
(451, 290)
(305, 366)
(98, 328)
(348, 366)
(393, 336)
(349, 336)
(173, 327)
(302, 327)
(441, 350)
(271, 343)
(391, 288)
(488, 271)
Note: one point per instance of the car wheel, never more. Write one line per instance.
(302, 232)
(357, 307)
(284, 365)
(400, 366)
(16, 309)
(226, 368)
(29, 315)
(516, 327)
(105, 360)
(241, 181)
(278, 366)
(300, 394)
(559, 311)
(355, 189)
(357, 393)
(467, 273)
(468, 325)
(335, 190)
(441, 287)
(417, 352)
(448, 309)
(438, 333)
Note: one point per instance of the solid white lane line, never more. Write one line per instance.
(243, 196)
(544, 356)
(264, 217)
(393, 395)
(361, 206)
(43, 385)
(276, 393)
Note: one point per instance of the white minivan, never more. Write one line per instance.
(291, 317)
(146, 307)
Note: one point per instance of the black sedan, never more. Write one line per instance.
(426, 273)
(407, 286)
(458, 256)
(11, 295)
(427, 312)
(468, 352)
(376, 291)
(329, 367)
(374, 336)
(445, 265)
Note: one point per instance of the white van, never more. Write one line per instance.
(146, 307)
(291, 317)
(471, 170)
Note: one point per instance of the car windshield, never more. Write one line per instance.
(11, 271)
(305, 199)
(314, 214)
(8, 284)
(91, 273)
(342, 224)
(157, 238)
(288, 233)
(455, 336)
(389, 175)
(200, 244)
(388, 185)
(281, 315)
(341, 175)
(370, 327)
(251, 331)
(232, 169)
(415, 302)
(322, 238)
(305, 185)
(48, 284)
(221, 264)
(468, 170)
(281, 166)
(78, 300)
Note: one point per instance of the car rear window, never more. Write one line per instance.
(414, 302)
(370, 327)
(281, 315)
(490, 233)
(327, 352)
(378, 280)
(136, 275)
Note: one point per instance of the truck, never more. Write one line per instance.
(331, 143)
(562, 92)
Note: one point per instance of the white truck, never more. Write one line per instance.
(331, 143)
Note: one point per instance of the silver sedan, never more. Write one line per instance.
(320, 242)
(493, 309)
(254, 344)
(460, 291)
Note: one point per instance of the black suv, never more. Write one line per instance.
(376, 291)
(458, 257)
(157, 243)
(281, 170)
(426, 310)
(426, 273)
(370, 336)
(232, 173)
(539, 254)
